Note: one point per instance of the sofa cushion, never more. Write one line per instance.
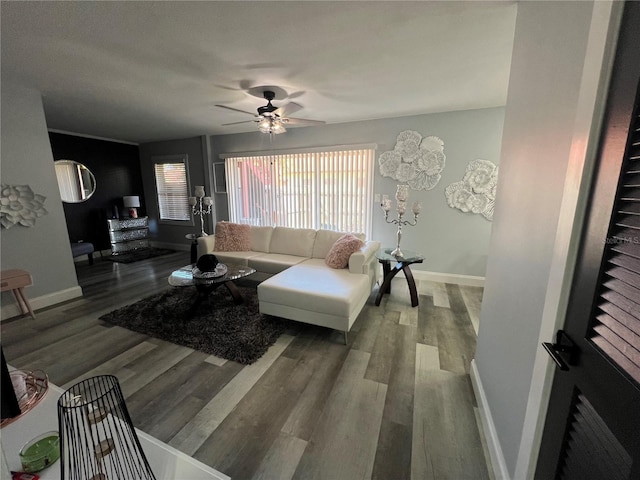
(239, 258)
(312, 286)
(260, 238)
(232, 237)
(273, 262)
(324, 241)
(293, 241)
(342, 249)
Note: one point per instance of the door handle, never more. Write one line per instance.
(562, 345)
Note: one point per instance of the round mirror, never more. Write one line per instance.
(76, 182)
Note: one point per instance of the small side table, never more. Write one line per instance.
(15, 280)
(385, 258)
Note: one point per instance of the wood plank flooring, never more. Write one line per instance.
(395, 403)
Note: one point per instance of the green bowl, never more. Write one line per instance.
(40, 452)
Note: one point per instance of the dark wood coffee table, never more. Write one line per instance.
(205, 285)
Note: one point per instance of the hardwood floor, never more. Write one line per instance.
(395, 403)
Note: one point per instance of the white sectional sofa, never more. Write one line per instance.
(300, 286)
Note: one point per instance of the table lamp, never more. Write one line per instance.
(132, 203)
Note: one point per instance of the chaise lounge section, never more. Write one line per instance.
(300, 285)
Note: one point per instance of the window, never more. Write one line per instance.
(172, 188)
(322, 189)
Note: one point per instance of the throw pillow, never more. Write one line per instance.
(232, 237)
(338, 256)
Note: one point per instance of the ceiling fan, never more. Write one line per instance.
(272, 119)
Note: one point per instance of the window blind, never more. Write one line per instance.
(68, 181)
(616, 320)
(317, 189)
(173, 193)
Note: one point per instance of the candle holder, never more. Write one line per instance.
(201, 206)
(402, 194)
(97, 438)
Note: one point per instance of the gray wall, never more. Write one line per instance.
(452, 241)
(546, 74)
(42, 250)
(195, 149)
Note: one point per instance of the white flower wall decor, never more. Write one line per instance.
(20, 206)
(414, 160)
(476, 193)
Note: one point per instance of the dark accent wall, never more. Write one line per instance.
(172, 235)
(116, 167)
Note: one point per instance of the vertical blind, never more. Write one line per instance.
(69, 182)
(320, 189)
(173, 193)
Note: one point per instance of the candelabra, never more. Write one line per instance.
(402, 194)
(201, 206)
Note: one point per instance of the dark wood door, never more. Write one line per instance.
(592, 428)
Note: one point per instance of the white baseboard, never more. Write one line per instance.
(12, 310)
(498, 464)
(468, 280)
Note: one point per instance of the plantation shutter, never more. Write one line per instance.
(616, 322)
(172, 190)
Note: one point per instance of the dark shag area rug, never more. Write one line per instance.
(218, 326)
(137, 255)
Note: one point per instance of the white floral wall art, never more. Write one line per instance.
(476, 193)
(414, 160)
(20, 206)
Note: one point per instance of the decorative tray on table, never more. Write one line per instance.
(220, 270)
(30, 388)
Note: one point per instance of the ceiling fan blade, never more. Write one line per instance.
(287, 109)
(235, 110)
(302, 121)
(237, 123)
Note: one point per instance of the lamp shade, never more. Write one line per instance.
(131, 201)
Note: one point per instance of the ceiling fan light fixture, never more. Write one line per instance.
(264, 125)
(272, 125)
(271, 119)
(278, 127)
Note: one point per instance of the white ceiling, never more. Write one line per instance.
(146, 71)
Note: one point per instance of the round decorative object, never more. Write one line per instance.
(406, 172)
(219, 271)
(389, 163)
(20, 206)
(207, 262)
(40, 452)
(415, 160)
(481, 176)
(30, 388)
(476, 193)
(408, 144)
